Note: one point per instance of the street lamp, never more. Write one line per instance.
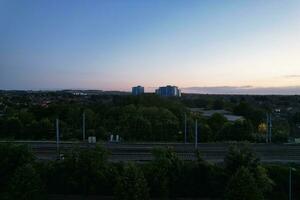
(57, 139)
(196, 134)
(184, 128)
(83, 126)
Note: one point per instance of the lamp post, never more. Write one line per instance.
(185, 128)
(83, 126)
(196, 134)
(57, 139)
(269, 128)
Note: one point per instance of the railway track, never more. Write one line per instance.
(142, 152)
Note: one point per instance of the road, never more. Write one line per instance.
(142, 152)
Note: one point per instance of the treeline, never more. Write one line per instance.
(133, 118)
(142, 118)
(88, 172)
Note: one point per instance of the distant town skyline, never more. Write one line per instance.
(222, 47)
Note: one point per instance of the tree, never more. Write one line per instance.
(242, 186)
(82, 172)
(101, 134)
(262, 128)
(142, 123)
(243, 108)
(13, 127)
(206, 134)
(25, 184)
(218, 104)
(87, 168)
(12, 157)
(240, 130)
(164, 172)
(25, 116)
(281, 131)
(216, 123)
(41, 129)
(90, 118)
(131, 185)
(201, 179)
(238, 157)
(296, 118)
(243, 156)
(255, 115)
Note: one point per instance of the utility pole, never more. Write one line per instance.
(57, 139)
(196, 134)
(83, 126)
(185, 128)
(269, 128)
(267, 135)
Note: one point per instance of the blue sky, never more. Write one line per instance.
(115, 44)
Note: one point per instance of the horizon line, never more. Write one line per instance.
(218, 90)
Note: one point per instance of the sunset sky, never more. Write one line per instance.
(115, 44)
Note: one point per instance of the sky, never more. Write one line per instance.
(207, 46)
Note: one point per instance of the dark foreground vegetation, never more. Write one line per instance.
(26, 115)
(87, 172)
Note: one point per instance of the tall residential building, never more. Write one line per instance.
(168, 91)
(138, 90)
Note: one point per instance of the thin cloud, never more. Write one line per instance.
(289, 90)
(292, 76)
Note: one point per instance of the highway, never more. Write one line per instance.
(142, 152)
